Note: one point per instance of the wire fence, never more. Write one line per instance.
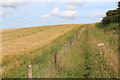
(60, 51)
(51, 66)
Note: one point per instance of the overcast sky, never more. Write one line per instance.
(30, 13)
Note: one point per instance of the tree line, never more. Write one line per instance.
(112, 16)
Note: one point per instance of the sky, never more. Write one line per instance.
(38, 13)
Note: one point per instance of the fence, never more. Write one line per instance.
(64, 50)
(52, 62)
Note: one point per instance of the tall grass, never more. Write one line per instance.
(17, 63)
(83, 54)
(81, 59)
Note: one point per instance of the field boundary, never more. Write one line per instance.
(71, 43)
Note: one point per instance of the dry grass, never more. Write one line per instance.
(31, 45)
(110, 49)
(82, 53)
(19, 40)
(99, 66)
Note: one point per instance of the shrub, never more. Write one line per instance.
(112, 16)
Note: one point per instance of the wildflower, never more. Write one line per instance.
(100, 44)
(101, 53)
(97, 54)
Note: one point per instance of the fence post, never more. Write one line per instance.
(79, 33)
(55, 60)
(29, 72)
(65, 49)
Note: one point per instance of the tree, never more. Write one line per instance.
(119, 4)
(112, 16)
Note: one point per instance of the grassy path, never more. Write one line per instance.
(82, 60)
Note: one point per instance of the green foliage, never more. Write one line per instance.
(107, 28)
(111, 12)
(112, 16)
(119, 4)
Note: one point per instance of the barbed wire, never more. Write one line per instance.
(43, 60)
(21, 73)
(75, 39)
(54, 53)
(35, 65)
(40, 71)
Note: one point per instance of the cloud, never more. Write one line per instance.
(68, 14)
(55, 11)
(97, 14)
(70, 11)
(13, 3)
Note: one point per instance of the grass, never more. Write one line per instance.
(81, 59)
(17, 63)
(24, 39)
(83, 54)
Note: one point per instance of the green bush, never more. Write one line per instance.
(112, 16)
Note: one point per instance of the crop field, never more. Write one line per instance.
(20, 45)
(61, 51)
(19, 40)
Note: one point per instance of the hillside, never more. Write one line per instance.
(24, 39)
(84, 59)
(23, 45)
(81, 58)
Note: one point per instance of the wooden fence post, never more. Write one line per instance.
(29, 72)
(79, 33)
(55, 60)
(65, 49)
